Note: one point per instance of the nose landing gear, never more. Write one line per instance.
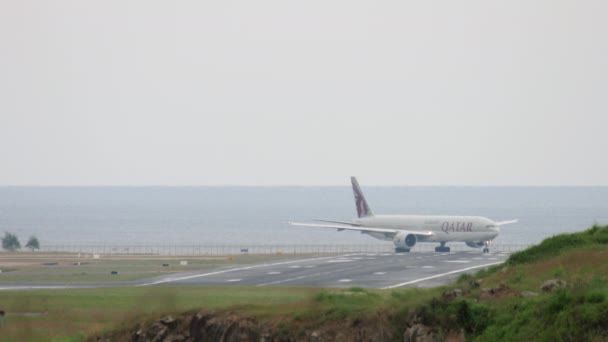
(486, 248)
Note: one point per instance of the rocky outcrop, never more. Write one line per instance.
(553, 284)
(420, 333)
(502, 291)
(233, 327)
(451, 294)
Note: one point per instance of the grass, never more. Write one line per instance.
(78, 313)
(26, 267)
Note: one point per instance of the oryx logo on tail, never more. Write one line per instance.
(363, 209)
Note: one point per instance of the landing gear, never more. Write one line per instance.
(442, 248)
(402, 250)
(486, 248)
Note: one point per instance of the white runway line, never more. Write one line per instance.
(275, 272)
(233, 280)
(379, 273)
(319, 274)
(458, 261)
(428, 266)
(340, 260)
(295, 266)
(163, 281)
(439, 275)
(345, 280)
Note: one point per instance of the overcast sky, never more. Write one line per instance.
(303, 92)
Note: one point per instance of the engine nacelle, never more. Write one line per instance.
(474, 244)
(405, 240)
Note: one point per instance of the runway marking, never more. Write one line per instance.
(310, 266)
(379, 273)
(345, 280)
(439, 275)
(233, 280)
(295, 266)
(170, 280)
(370, 258)
(340, 260)
(306, 276)
(428, 266)
(477, 258)
(458, 261)
(274, 272)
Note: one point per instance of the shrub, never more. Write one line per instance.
(556, 244)
(10, 242)
(33, 243)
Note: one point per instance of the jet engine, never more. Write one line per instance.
(474, 244)
(405, 240)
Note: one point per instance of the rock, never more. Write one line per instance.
(451, 294)
(419, 333)
(553, 284)
(168, 321)
(475, 283)
(228, 327)
(502, 291)
(529, 294)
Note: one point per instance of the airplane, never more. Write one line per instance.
(407, 230)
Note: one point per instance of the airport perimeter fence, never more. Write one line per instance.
(217, 250)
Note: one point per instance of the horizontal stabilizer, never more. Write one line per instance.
(502, 223)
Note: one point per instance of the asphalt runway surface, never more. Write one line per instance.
(368, 270)
(371, 270)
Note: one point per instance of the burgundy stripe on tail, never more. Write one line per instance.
(363, 209)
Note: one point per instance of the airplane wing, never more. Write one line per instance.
(502, 223)
(364, 229)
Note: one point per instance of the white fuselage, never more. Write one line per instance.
(444, 228)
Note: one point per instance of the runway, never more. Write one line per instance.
(368, 270)
(382, 271)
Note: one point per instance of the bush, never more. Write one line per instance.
(33, 243)
(10, 242)
(474, 318)
(558, 243)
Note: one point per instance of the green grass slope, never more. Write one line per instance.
(577, 312)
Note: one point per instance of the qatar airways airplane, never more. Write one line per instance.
(406, 230)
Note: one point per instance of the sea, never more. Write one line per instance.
(127, 216)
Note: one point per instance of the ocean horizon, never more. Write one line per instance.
(257, 215)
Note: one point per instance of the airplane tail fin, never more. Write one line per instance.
(363, 209)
